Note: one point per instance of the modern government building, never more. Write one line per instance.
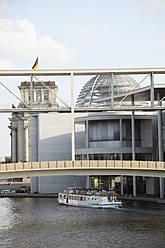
(107, 135)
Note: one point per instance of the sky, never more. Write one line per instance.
(76, 34)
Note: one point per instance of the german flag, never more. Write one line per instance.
(35, 64)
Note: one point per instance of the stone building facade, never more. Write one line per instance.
(44, 96)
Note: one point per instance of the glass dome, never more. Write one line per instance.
(99, 87)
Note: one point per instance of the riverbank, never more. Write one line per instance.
(145, 199)
(55, 195)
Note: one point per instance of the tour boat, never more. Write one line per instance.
(89, 198)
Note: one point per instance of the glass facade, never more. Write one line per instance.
(111, 156)
(81, 157)
(127, 133)
(104, 130)
(116, 156)
(99, 87)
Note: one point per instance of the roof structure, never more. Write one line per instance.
(101, 86)
(98, 92)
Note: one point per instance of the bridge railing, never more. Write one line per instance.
(82, 164)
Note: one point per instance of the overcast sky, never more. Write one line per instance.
(77, 34)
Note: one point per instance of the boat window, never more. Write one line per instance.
(60, 196)
(81, 198)
(84, 198)
(64, 196)
(78, 198)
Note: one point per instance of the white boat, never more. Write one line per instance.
(89, 198)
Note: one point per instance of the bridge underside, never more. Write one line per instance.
(81, 168)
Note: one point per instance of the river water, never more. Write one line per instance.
(41, 222)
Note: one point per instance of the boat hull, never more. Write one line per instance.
(87, 201)
(118, 206)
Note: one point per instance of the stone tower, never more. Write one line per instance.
(43, 97)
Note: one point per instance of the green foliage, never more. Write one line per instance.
(8, 160)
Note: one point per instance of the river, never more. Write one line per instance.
(41, 222)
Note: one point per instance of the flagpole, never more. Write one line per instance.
(31, 91)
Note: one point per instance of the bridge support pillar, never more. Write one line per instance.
(74, 181)
(87, 181)
(122, 192)
(161, 186)
(134, 185)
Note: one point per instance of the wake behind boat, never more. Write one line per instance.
(89, 198)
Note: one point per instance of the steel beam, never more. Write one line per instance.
(152, 89)
(72, 116)
(82, 72)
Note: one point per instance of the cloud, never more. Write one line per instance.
(108, 33)
(155, 4)
(162, 43)
(20, 45)
(3, 5)
(83, 33)
(6, 64)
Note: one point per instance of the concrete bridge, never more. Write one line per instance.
(85, 167)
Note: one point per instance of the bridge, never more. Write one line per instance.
(84, 167)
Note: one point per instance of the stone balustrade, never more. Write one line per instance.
(82, 164)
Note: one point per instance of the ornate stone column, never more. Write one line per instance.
(20, 140)
(13, 144)
(26, 143)
(42, 96)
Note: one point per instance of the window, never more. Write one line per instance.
(46, 96)
(104, 130)
(38, 97)
(29, 96)
(81, 157)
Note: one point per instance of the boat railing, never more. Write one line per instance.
(79, 191)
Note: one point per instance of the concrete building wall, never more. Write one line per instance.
(80, 136)
(152, 185)
(34, 138)
(55, 136)
(59, 183)
(50, 140)
(146, 133)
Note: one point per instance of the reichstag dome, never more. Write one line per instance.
(99, 87)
